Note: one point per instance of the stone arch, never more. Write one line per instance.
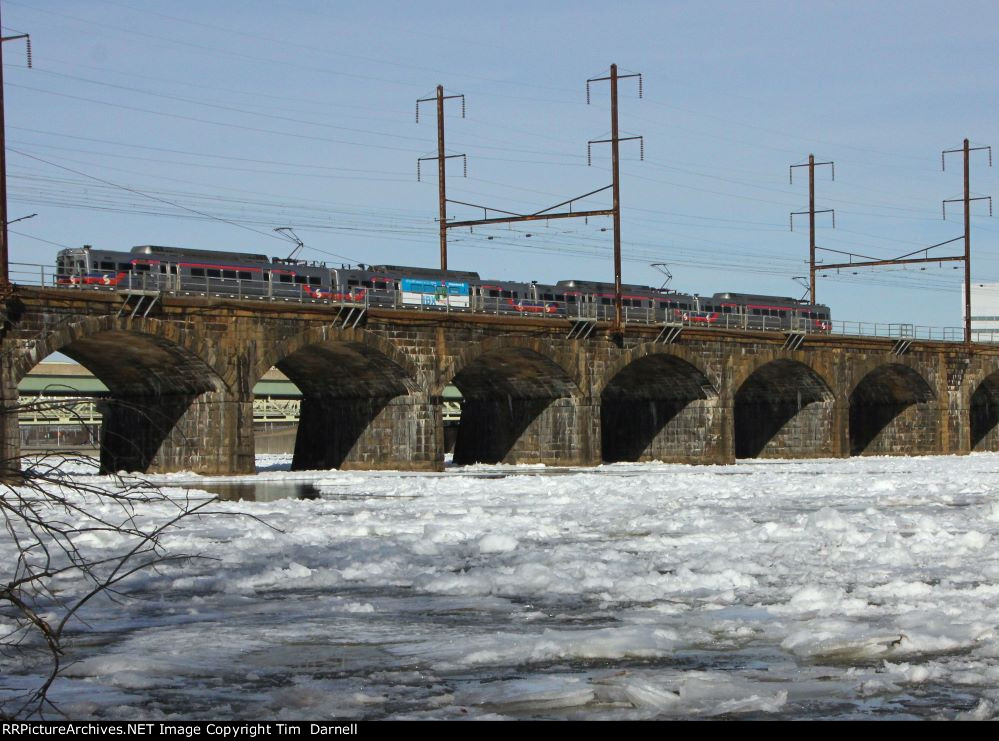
(983, 413)
(93, 334)
(655, 405)
(891, 413)
(783, 409)
(520, 405)
(163, 388)
(497, 347)
(362, 404)
(327, 334)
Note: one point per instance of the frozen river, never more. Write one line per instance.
(832, 588)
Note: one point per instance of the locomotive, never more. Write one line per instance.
(255, 276)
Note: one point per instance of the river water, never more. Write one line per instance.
(861, 588)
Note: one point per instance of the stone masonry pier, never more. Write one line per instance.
(181, 381)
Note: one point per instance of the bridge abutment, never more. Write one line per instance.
(10, 436)
(210, 434)
(403, 432)
(558, 432)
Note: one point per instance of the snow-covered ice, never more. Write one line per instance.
(831, 588)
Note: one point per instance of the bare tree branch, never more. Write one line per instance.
(52, 517)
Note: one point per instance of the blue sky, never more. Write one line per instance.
(210, 124)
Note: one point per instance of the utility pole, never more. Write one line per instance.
(812, 164)
(909, 259)
(441, 188)
(545, 214)
(616, 178)
(966, 150)
(4, 250)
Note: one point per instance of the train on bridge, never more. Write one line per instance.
(255, 276)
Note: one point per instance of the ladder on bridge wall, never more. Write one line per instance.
(349, 317)
(137, 299)
(793, 340)
(901, 346)
(581, 329)
(669, 334)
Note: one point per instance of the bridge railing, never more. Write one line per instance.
(248, 288)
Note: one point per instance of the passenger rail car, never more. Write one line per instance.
(238, 275)
(595, 300)
(204, 272)
(753, 311)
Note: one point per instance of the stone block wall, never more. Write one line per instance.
(182, 382)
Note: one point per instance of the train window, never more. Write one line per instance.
(314, 281)
(163, 268)
(228, 273)
(548, 296)
(727, 309)
(783, 313)
(107, 266)
(213, 273)
(124, 267)
(245, 275)
(506, 294)
(493, 293)
(605, 301)
(559, 297)
(366, 283)
(197, 272)
(756, 312)
(142, 268)
(284, 278)
(570, 299)
(353, 282)
(301, 279)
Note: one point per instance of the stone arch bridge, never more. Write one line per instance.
(181, 385)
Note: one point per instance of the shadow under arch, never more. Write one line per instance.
(658, 407)
(888, 412)
(152, 383)
(518, 407)
(783, 410)
(346, 387)
(984, 414)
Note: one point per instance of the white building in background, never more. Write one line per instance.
(984, 311)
